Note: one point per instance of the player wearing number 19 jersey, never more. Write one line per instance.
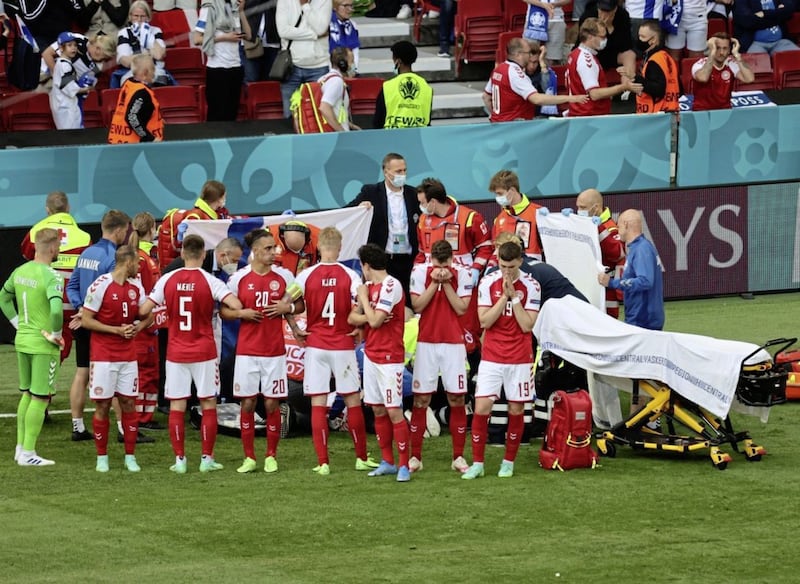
(508, 303)
(189, 295)
(36, 289)
(329, 291)
(266, 294)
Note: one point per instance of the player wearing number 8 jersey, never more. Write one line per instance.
(329, 290)
(508, 303)
(266, 294)
(189, 295)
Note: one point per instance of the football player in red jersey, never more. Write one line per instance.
(111, 312)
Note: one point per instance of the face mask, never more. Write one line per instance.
(229, 269)
(399, 181)
(396, 69)
(502, 200)
(583, 212)
(603, 44)
(643, 46)
(424, 210)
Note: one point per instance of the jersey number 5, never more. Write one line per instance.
(184, 312)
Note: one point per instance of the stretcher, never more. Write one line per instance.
(689, 382)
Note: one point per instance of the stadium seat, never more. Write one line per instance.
(716, 25)
(687, 82)
(108, 103)
(241, 115)
(515, 12)
(762, 67)
(502, 42)
(92, 110)
(179, 104)
(28, 110)
(264, 100)
(786, 69)
(793, 27)
(174, 25)
(186, 65)
(363, 92)
(421, 8)
(478, 25)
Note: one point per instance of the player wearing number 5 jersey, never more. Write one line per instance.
(36, 290)
(329, 290)
(508, 304)
(266, 294)
(189, 295)
(510, 95)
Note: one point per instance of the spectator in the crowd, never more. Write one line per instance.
(659, 73)
(140, 37)
(93, 52)
(401, 9)
(585, 75)
(714, 75)
(406, 100)
(137, 117)
(105, 16)
(641, 10)
(618, 48)
(691, 32)
(447, 16)
(556, 28)
(761, 25)
(719, 9)
(509, 94)
(343, 31)
(66, 92)
(220, 29)
(306, 24)
(261, 16)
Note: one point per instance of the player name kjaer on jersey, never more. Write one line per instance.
(327, 282)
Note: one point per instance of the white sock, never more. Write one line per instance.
(119, 427)
(77, 425)
(207, 457)
(180, 459)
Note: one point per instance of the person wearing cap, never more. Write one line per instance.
(64, 95)
(93, 52)
(295, 245)
(406, 100)
(137, 117)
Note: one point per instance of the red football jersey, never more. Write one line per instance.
(189, 295)
(115, 305)
(510, 89)
(716, 92)
(329, 291)
(504, 341)
(584, 73)
(257, 291)
(385, 343)
(438, 322)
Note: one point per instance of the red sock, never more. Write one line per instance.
(516, 426)
(458, 429)
(383, 432)
(176, 434)
(100, 428)
(400, 430)
(208, 431)
(273, 431)
(358, 430)
(319, 432)
(248, 427)
(419, 423)
(480, 430)
(130, 430)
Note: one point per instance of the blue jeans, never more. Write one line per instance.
(298, 76)
(258, 69)
(774, 47)
(447, 17)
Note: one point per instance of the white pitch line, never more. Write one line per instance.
(51, 412)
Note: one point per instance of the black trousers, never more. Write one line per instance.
(223, 90)
(399, 266)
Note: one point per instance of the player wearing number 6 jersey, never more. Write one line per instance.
(266, 294)
(36, 289)
(329, 291)
(189, 295)
(111, 312)
(508, 304)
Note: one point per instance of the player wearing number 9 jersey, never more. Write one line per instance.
(329, 290)
(189, 295)
(266, 292)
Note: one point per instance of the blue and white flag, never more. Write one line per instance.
(536, 24)
(353, 222)
(25, 32)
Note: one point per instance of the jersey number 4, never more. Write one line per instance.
(328, 309)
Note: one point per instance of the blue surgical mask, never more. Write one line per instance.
(424, 210)
(399, 181)
(502, 200)
(603, 44)
(583, 212)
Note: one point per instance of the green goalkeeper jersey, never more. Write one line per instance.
(35, 287)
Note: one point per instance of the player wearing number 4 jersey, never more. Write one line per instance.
(381, 307)
(36, 290)
(508, 304)
(266, 293)
(111, 312)
(329, 290)
(189, 294)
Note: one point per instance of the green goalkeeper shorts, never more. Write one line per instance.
(37, 373)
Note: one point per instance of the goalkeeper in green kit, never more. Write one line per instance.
(36, 290)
